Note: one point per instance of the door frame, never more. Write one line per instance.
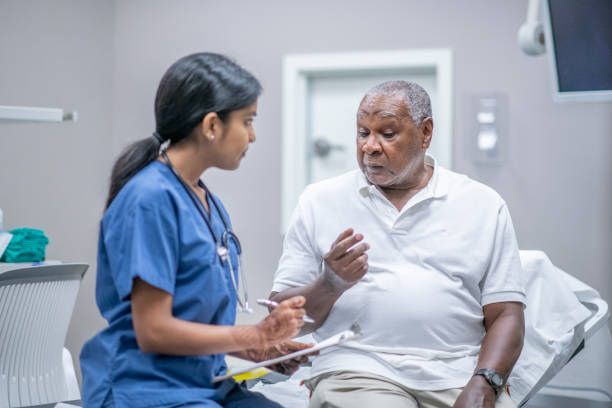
(299, 68)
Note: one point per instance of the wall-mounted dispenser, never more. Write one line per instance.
(486, 128)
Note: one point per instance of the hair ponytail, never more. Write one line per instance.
(134, 158)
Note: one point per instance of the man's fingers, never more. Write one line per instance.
(358, 273)
(341, 247)
(355, 253)
(355, 267)
(344, 234)
(347, 243)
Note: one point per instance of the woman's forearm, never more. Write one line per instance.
(180, 337)
(158, 331)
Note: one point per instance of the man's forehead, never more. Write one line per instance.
(390, 106)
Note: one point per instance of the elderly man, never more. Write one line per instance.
(437, 287)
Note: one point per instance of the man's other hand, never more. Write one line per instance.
(287, 367)
(476, 394)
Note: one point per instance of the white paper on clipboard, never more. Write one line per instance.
(339, 338)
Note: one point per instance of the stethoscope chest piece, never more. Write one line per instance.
(223, 253)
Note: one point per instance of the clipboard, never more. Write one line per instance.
(352, 333)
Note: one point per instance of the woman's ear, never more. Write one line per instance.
(211, 126)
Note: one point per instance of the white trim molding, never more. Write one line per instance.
(31, 114)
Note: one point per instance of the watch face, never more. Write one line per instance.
(496, 379)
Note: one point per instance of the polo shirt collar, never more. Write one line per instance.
(437, 186)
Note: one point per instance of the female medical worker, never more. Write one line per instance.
(168, 262)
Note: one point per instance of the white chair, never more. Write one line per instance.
(36, 304)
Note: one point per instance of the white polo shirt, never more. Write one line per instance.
(432, 267)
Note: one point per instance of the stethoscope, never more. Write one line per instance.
(223, 244)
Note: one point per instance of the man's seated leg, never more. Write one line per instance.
(349, 389)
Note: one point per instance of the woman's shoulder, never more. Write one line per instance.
(149, 188)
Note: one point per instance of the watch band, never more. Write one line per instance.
(494, 378)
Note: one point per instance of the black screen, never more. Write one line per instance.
(582, 32)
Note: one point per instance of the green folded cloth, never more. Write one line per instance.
(27, 245)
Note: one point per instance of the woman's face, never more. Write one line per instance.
(236, 136)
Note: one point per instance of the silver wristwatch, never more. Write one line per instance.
(494, 379)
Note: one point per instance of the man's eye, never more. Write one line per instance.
(388, 135)
(248, 122)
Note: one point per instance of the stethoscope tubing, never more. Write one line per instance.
(223, 243)
(199, 205)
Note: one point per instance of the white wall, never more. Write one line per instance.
(105, 59)
(53, 175)
(557, 181)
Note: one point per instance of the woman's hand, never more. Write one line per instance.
(283, 323)
(286, 367)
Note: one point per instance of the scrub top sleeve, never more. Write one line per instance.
(299, 263)
(146, 243)
(504, 280)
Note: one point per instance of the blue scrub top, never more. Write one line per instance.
(153, 231)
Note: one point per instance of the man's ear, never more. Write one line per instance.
(211, 125)
(427, 130)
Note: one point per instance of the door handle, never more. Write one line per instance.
(322, 147)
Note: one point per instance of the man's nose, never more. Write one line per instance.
(252, 136)
(371, 145)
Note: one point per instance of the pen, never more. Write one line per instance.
(273, 304)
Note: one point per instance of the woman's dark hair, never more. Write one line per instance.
(192, 87)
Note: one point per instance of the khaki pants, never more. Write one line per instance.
(350, 389)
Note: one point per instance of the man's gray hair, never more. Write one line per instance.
(416, 98)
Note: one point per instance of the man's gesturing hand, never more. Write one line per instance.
(346, 262)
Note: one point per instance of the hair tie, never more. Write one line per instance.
(157, 137)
